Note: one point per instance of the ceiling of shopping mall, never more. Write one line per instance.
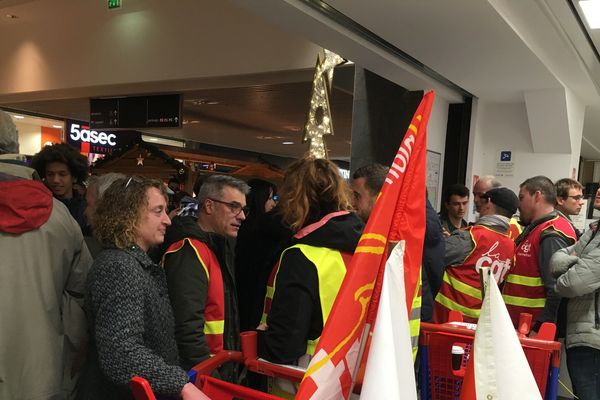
(245, 77)
(265, 119)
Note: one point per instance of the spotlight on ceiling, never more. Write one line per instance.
(591, 11)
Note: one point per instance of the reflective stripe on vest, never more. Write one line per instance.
(214, 307)
(524, 289)
(331, 271)
(414, 320)
(461, 285)
(524, 301)
(525, 280)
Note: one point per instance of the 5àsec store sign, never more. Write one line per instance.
(80, 136)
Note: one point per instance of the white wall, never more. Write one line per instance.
(499, 127)
(436, 137)
(576, 114)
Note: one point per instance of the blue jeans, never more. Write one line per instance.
(584, 369)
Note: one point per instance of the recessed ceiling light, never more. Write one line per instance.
(591, 11)
(18, 117)
(287, 142)
(262, 137)
(153, 139)
(57, 126)
(201, 102)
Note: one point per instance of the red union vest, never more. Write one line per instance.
(214, 309)
(524, 290)
(461, 287)
(331, 268)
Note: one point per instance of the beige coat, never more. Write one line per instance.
(42, 276)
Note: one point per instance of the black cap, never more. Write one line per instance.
(503, 197)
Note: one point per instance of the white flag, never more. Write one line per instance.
(390, 370)
(501, 368)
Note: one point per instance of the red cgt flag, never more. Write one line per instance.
(399, 214)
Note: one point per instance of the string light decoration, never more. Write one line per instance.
(319, 122)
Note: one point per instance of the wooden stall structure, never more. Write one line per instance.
(165, 162)
(142, 159)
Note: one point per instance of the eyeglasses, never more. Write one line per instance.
(576, 198)
(480, 194)
(234, 206)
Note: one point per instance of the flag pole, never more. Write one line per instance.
(361, 351)
(482, 284)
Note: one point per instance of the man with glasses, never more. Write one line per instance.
(199, 265)
(569, 199)
(577, 269)
(481, 187)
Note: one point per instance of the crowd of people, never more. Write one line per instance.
(128, 280)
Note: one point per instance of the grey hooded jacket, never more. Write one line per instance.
(577, 269)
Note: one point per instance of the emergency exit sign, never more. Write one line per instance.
(114, 4)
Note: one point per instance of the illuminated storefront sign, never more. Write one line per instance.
(84, 134)
(86, 140)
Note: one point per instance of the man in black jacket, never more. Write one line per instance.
(198, 262)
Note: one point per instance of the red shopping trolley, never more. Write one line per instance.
(441, 380)
(216, 389)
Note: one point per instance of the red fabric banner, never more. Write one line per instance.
(398, 214)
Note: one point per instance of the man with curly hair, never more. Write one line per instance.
(61, 166)
(131, 319)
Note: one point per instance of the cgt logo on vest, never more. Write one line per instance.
(524, 250)
(499, 268)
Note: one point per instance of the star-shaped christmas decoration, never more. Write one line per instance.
(140, 160)
(329, 62)
(319, 122)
